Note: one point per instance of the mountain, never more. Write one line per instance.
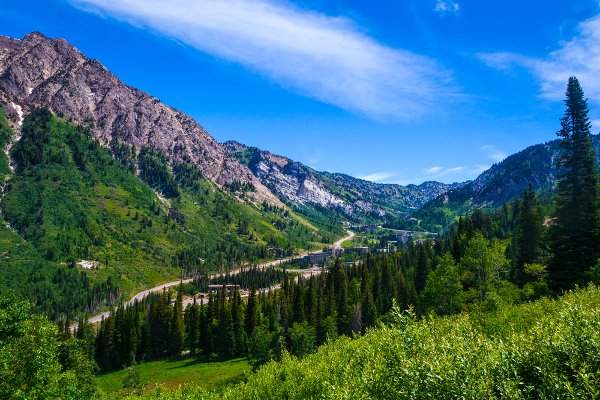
(106, 190)
(301, 186)
(37, 71)
(41, 72)
(500, 184)
(79, 227)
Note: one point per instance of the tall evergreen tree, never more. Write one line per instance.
(421, 269)
(251, 310)
(192, 326)
(574, 239)
(237, 316)
(528, 233)
(176, 327)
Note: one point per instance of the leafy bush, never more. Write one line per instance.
(35, 362)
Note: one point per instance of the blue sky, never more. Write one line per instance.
(397, 91)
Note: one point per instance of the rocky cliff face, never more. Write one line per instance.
(290, 180)
(38, 71)
(299, 184)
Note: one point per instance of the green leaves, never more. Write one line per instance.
(34, 362)
(443, 292)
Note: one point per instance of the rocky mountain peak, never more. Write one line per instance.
(39, 71)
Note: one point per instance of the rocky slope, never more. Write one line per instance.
(38, 71)
(296, 183)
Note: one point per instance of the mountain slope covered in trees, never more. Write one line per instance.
(70, 199)
(500, 184)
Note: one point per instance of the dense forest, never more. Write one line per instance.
(486, 260)
(546, 349)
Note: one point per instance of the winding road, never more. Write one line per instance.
(98, 317)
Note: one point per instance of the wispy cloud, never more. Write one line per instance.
(579, 56)
(319, 56)
(446, 6)
(493, 153)
(438, 172)
(378, 176)
(478, 169)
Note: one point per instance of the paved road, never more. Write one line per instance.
(98, 317)
(338, 244)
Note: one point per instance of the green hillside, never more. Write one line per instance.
(70, 199)
(545, 349)
(500, 184)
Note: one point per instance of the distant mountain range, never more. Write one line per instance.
(38, 71)
(299, 185)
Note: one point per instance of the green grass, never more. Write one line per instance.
(211, 375)
(350, 243)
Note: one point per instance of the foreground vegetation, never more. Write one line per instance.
(545, 349)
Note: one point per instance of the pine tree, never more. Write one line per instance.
(85, 333)
(369, 311)
(574, 237)
(528, 234)
(298, 302)
(422, 268)
(237, 315)
(251, 310)
(340, 281)
(192, 326)
(176, 327)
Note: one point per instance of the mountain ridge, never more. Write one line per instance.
(501, 183)
(354, 197)
(37, 71)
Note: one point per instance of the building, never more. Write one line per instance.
(217, 288)
(358, 250)
(318, 258)
(404, 237)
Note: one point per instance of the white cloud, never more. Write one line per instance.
(377, 176)
(319, 56)
(438, 172)
(434, 170)
(446, 6)
(492, 153)
(579, 56)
